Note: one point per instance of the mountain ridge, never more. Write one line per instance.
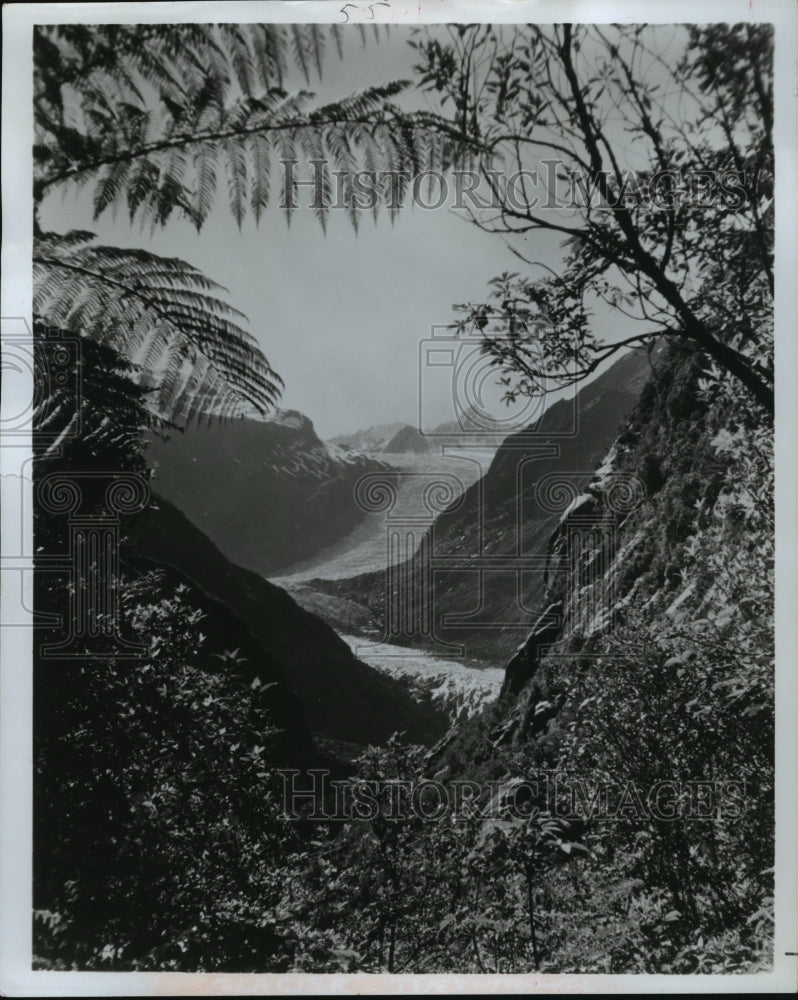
(285, 493)
(561, 443)
(342, 697)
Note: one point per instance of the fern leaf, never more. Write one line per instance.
(160, 313)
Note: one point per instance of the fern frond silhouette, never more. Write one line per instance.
(164, 314)
(162, 121)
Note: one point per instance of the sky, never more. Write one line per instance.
(342, 317)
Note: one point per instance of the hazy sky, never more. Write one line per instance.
(340, 316)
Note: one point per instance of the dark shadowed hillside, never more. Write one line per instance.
(341, 697)
(652, 671)
(267, 492)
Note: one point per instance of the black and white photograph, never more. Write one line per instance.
(399, 545)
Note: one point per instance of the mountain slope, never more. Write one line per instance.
(691, 531)
(407, 439)
(509, 513)
(647, 689)
(267, 492)
(341, 697)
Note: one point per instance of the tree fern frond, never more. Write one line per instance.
(396, 142)
(152, 115)
(318, 43)
(150, 309)
(335, 31)
(237, 176)
(241, 55)
(216, 84)
(303, 49)
(205, 155)
(261, 170)
(270, 54)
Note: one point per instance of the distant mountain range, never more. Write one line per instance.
(268, 493)
(407, 440)
(372, 439)
(388, 439)
(471, 428)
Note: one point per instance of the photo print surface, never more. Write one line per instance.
(402, 497)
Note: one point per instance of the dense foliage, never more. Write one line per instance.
(646, 155)
(172, 850)
(161, 841)
(157, 812)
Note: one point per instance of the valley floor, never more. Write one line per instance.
(461, 687)
(365, 549)
(458, 685)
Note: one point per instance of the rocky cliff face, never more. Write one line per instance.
(645, 689)
(675, 526)
(268, 493)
